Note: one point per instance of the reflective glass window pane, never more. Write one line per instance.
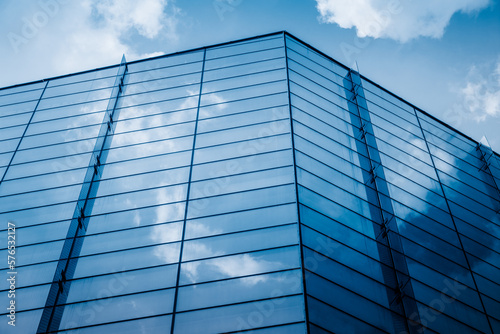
(239, 265)
(118, 308)
(237, 317)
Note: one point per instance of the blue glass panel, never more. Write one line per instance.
(241, 182)
(239, 290)
(242, 316)
(127, 260)
(117, 308)
(240, 242)
(349, 302)
(122, 283)
(159, 324)
(240, 265)
(241, 201)
(136, 217)
(31, 275)
(240, 221)
(26, 322)
(244, 47)
(335, 320)
(131, 238)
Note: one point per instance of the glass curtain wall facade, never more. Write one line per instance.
(253, 186)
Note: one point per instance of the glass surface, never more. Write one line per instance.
(335, 273)
(314, 93)
(142, 181)
(159, 324)
(131, 238)
(241, 201)
(242, 133)
(12, 132)
(335, 320)
(441, 323)
(148, 149)
(349, 302)
(48, 166)
(53, 138)
(31, 275)
(45, 181)
(117, 308)
(340, 253)
(454, 309)
(151, 108)
(137, 199)
(19, 97)
(56, 88)
(14, 120)
(337, 231)
(54, 151)
(243, 69)
(175, 70)
(26, 322)
(165, 62)
(241, 221)
(122, 283)
(136, 218)
(226, 168)
(312, 55)
(38, 233)
(71, 99)
(34, 254)
(19, 108)
(336, 211)
(157, 96)
(244, 47)
(127, 260)
(240, 242)
(148, 83)
(39, 198)
(242, 316)
(83, 110)
(239, 265)
(242, 118)
(145, 165)
(241, 182)
(153, 121)
(29, 217)
(243, 58)
(221, 107)
(447, 285)
(239, 290)
(25, 298)
(251, 147)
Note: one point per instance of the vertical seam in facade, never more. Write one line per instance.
(61, 280)
(174, 309)
(401, 275)
(454, 224)
(24, 132)
(306, 309)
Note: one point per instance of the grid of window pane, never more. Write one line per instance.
(254, 186)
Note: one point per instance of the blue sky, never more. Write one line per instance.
(441, 55)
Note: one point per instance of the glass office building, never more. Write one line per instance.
(253, 186)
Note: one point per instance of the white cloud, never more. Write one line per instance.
(480, 95)
(401, 20)
(54, 37)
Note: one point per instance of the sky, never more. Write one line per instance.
(441, 55)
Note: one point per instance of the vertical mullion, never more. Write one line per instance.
(292, 134)
(187, 195)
